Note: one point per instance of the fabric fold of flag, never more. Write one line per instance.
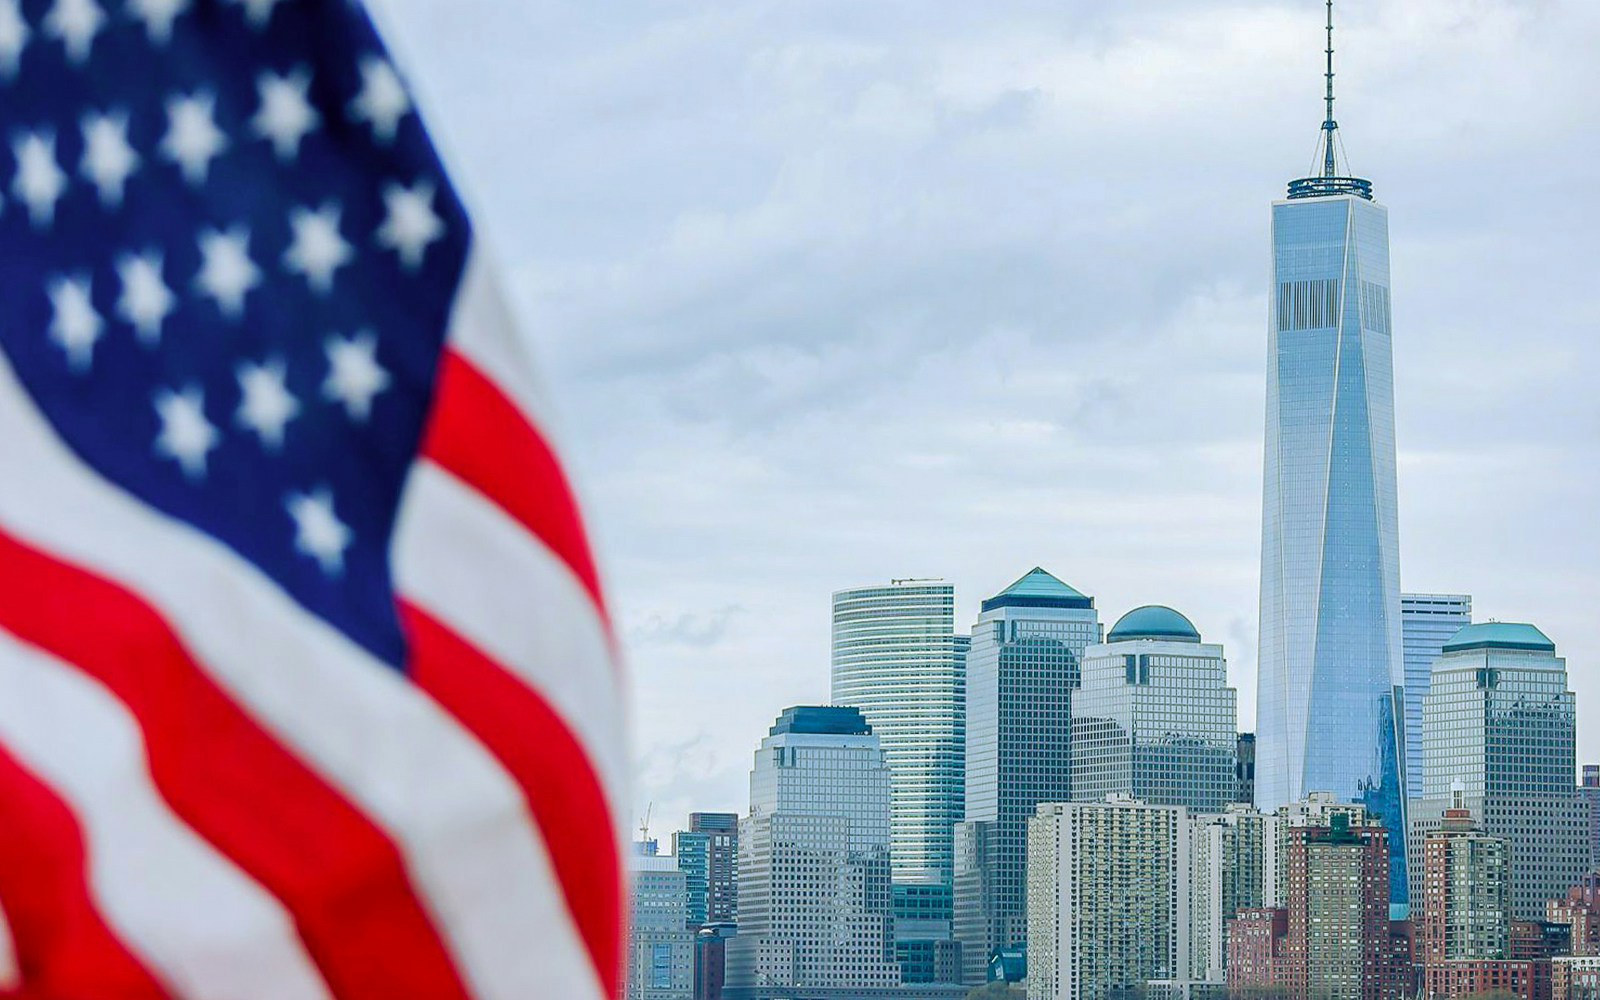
(307, 681)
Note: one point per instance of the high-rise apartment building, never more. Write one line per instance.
(1338, 943)
(1108, 893)
(708, 856)
(1154, 717)
(1232, 863)
(1023, 666)
(1330, 698)
(1427, 621)
(1499, 720)
(896, 657)
(814, 887)
(1464, 914)
(661, 946)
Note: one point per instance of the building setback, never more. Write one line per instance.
(1098, 922)
(1023, 667)
(814, 888)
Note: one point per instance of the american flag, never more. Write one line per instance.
(307, 686)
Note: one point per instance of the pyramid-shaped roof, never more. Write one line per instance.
(1039, 589)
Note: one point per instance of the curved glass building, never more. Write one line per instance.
(897, 658)
(1330, 701)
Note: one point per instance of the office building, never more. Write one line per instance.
(1589, 793)
(1108, 888)
(661, 946)
(1329, 706)
(1499, 721)
(1244, 769)
(708, 856)
(923, 944)
(710, 959)
(1023, 667)
(1154, 717)
(896, 658)
(814, 886)
(1427, 622)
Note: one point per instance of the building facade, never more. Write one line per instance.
(1154, 717)
(1338, 942)
(1244, 769)
(815, 906)
(1330, 705)
(1499, 722)
(1465, 909)
(661, 945)
(1100, 922)
(896, 658)
(1589, 793)
(708, 856)
(1427, 622)
(1232, 861)
(1023, 668)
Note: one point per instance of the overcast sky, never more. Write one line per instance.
(831, 292)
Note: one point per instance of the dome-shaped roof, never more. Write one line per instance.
(1153, 621)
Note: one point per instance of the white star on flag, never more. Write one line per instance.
(13, 36)
(75, 22)
(317, 249)
(39, 181)
(158, 16)
(266, 406)
(285, 116)
(257, 12)
(192, 138)
(145, 300)
(354, 375)
(411, 223)
(75, 326)
(108, 160)
(382, 101)
(186, 435)
(226, 271)
(318, 532)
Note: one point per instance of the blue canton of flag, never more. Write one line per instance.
(226, 283)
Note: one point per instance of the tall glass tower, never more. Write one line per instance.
(1330, 704)
(897, 658)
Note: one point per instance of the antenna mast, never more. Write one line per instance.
(1329, 126)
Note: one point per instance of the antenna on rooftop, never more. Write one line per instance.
(1329, 182)
(1329, 126)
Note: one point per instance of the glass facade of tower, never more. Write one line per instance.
(1427, 621)
(1499, 727)
(1330, 712)
(1155, 719)
(1022, 668)
(896, 657)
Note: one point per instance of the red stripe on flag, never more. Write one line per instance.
(63, 946)
(340, 876)
(477, 433)
(547, 761)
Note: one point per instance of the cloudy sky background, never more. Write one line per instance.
(832, 292)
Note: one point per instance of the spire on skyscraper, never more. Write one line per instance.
(1329, 182)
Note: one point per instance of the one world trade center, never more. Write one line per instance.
(1328, 716)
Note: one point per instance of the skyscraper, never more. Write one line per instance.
(1330, 698)
(1025, 661)
(896, 658)
(661, 947)
(708, 856)
(1500, 721)
(1154, 717)
(815, 908)
(1427, 621)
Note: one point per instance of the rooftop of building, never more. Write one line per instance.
(821, 720)
(1153, 621)
(1038, 589)
(1500, 635)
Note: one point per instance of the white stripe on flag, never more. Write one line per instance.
(192, 917)
(481, 328)
(458, 818)
(463, 558)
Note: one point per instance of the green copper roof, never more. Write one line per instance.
(1038, 589)
(1153, 621)
(1500, 635)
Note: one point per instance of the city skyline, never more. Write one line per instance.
(1091, 402)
